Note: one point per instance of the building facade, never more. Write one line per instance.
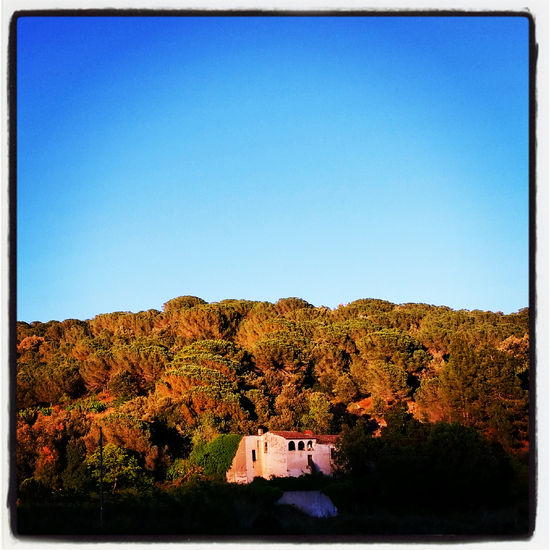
(282, 454)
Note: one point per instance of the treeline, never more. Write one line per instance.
(165, 385)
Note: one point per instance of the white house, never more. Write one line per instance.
(282, 454)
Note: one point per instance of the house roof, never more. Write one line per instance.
(294, 435)
(300, 435)
(327, 438)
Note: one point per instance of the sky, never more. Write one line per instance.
(329, 158)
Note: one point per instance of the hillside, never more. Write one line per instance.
(163, 383)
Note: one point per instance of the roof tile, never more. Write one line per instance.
(300, 435)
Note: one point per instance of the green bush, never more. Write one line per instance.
(177, 469)
(215, 458)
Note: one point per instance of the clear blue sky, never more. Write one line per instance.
(326, 158)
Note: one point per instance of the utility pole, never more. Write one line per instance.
(100, 477)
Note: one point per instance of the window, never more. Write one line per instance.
(301, 446)
(291, 446)
(309, 445)
(332, 453)
(253, 455)
(265, 447)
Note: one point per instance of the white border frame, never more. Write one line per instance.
(539, 9)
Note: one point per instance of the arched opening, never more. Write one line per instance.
(291, 446)
(301, 446)
(309, 445)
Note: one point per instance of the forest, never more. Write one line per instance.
(431, 404)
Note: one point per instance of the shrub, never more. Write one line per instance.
(215, 458)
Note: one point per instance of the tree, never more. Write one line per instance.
(144, 358)
(460, 382)
(464, 466)
(319, 417)
(124, 431)
(124, 384)
(357, 450)
(431, 405)
(119, 467)
(290, 406)
(259, 320)
(96, 368)
(482, 390)
(75, 476)
(206, 321)
(182, 302)
(41, 447)
(288, 305)
(382, 380)
(281, 350)
(330, 364)
(345, 390)
(48, 382)
(394, 346)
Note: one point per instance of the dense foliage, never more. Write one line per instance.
(165, 385)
